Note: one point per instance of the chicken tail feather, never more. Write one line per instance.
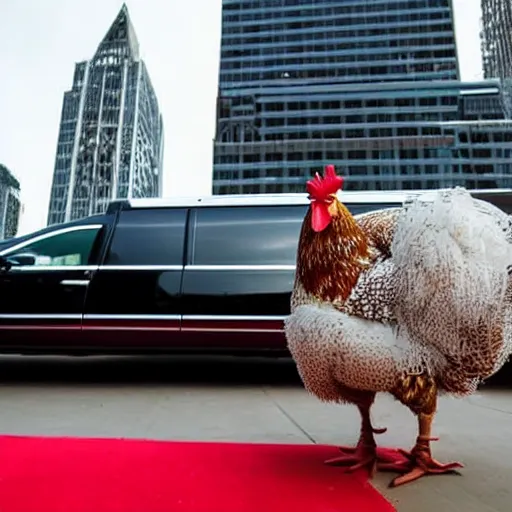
(452, 262)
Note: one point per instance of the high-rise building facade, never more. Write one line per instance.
(110, 142)
(10, 205)
(398, 135)
(496, 38)
(300, 72)
(371, 86)
(265, 42)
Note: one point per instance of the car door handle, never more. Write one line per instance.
(75, 282)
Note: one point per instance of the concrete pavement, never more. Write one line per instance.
(257, 401)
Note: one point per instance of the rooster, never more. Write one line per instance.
(412, 301)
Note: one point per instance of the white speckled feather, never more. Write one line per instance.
(439, 299)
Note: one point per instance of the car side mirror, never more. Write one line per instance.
(5, 264)
(25, 259)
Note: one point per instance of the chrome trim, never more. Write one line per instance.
(42, 316)
(240, 267)
(163, 268)
(196, 267)
(141, 267)
(217, 323)
(49, 234)
(75, 282)
(53, 268)
(132, 317)
(177, 323)
(185, 328)
(163, 328)
(70, 327)
(235, 318)
(205, 318)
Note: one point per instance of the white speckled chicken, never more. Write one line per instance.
(413, 301)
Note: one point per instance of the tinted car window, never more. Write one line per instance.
(247, 235)
(64, 249)
(253, 235)
(501, 200)
(148, 237)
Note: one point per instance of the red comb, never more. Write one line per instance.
(321, 188)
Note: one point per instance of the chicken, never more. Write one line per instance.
(413, 301)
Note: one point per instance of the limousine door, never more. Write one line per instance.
(134, 299)
(239, 275)
(42, 294)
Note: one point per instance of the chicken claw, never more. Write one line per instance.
(370, 458)
(364, 455)
(421, 463)
(360, 457)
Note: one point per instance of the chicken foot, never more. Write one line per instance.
(364, 455)
(421, 398)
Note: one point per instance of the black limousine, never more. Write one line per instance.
(210, 274)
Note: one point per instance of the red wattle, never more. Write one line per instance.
(320, 216)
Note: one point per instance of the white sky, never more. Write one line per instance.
(180, 42)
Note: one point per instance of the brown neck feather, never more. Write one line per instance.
(329, 263)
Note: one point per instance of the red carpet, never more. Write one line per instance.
(107, 475)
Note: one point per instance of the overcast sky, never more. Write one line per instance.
(180, 43)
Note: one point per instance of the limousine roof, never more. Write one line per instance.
(379, 197)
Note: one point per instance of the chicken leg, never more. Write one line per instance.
(364, 455)
(421, 398)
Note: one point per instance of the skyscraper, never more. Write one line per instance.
(111, 132)
(497, 38)
(271, 42)
(10, 205)
(305, 82)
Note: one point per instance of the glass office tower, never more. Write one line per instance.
(496, 39)
(111, 132)
(368, 85)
